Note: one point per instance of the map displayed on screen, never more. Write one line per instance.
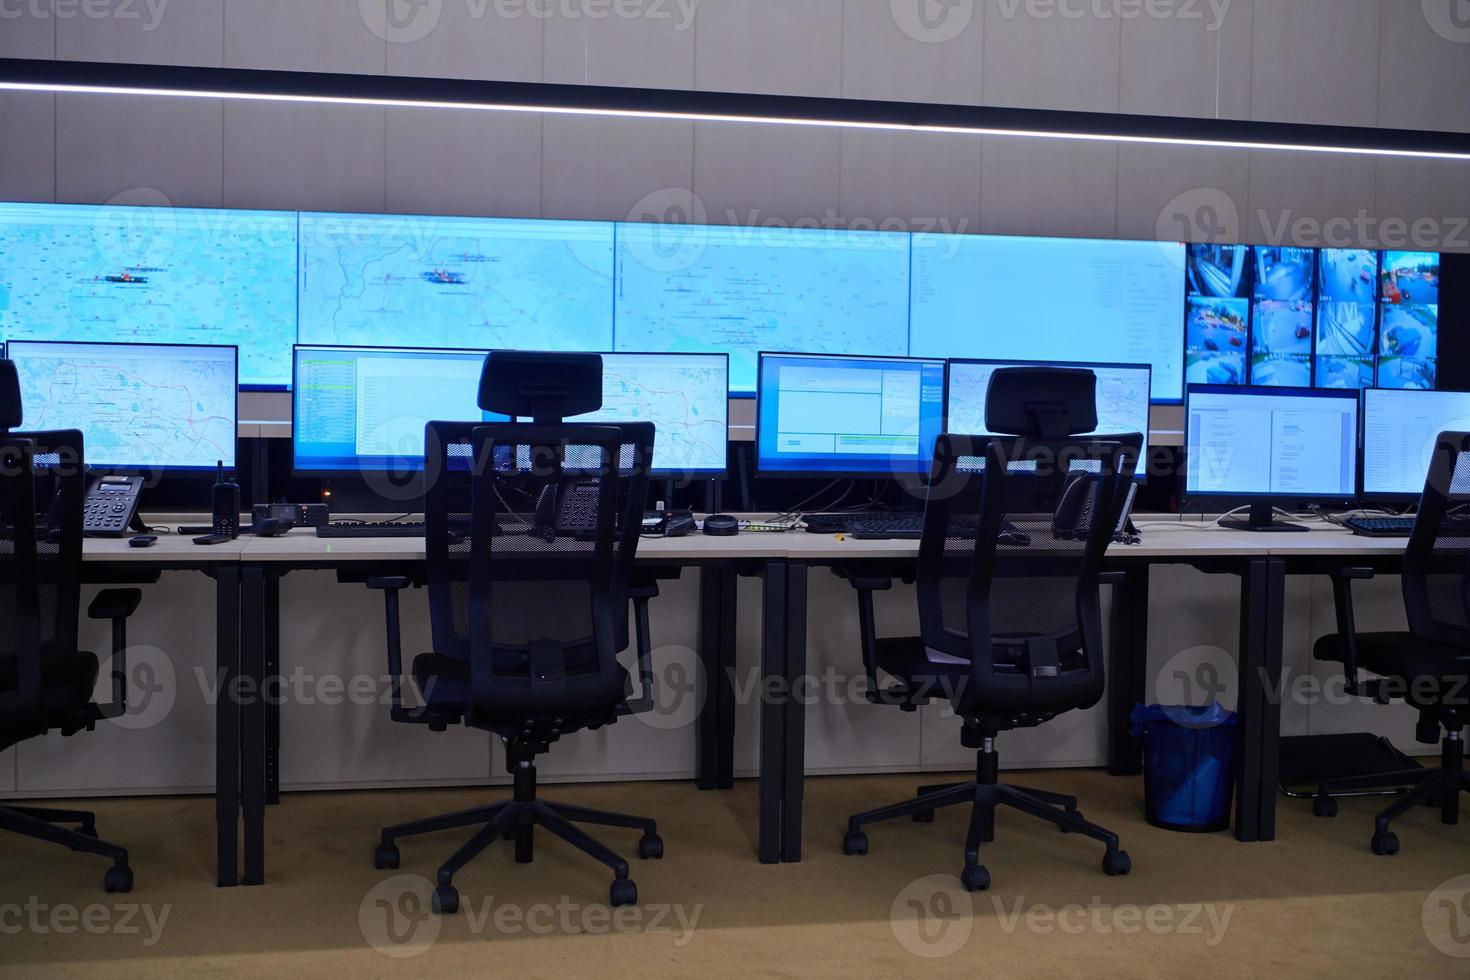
(153, 275)
(138, 407)
(390, 280)
(691, 288)
(685, 396)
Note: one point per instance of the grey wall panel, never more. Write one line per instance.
(770, 46)
(166, 739)
(1423, 75)
(644, 51)
(309, 158)
(1182, 193)
(884, 58)
(172, 146)
(464, 163)
(465, 40)
(1048, 187)
(761, 174)
(1316, 61)
(609, 169)
(28, 149)
(1195, 65)
(1304, 198)
(172, 33)
(920, 182)
(1051, 62)
(335, 727)
(1423, 204)
(26, 34)
(7, 771)
(323, 35)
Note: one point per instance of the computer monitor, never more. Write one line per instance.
(1400, 427)
(363, 409)
(1259, 446)
(1122, 396)
(685, 396)
(845, 416)
(140, 407)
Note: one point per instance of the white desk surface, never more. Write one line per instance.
(1162, 538)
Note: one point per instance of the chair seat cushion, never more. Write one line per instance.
(66, 682)
(1400, 655)
(445, 681)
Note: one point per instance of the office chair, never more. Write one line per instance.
(1015, 529)
(532, 532)
(46, 682)
(1429, 665)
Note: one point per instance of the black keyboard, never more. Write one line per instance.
(886, 527)
(1381, 527)
(362, 529)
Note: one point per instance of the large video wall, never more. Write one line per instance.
(265, 280)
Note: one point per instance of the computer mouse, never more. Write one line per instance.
(143, 541)
(679, 525)
(721, 526)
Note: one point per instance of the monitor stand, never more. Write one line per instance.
(1262, 518)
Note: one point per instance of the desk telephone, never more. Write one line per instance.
(111, 508)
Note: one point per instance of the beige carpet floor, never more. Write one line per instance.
(1313, 903)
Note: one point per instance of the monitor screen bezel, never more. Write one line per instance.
(1248, 391)
(922, 472)
(1380, 497)
(143, 470)
(1140, 476)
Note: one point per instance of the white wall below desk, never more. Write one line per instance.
(336, 631)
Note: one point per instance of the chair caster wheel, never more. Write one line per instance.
(445, 900)
(1117, 863)
(975, 879)
(651, 847)
(118, 880)
(385, 857)
(855, 842)
(924, 816)
(1385, 842)
(623, 892)
(1324, 806)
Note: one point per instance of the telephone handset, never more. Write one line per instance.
(111, 507)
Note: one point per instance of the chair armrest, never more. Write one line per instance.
(115, 604)
(388, 583)
(640, 595)
(1347, 627)
(390, 586)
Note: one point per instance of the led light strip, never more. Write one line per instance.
(656, 104)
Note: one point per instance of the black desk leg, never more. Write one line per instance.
(252, 727)
(773, 710)
(707, 725)
(797, 688)
(227, 723)
(1127, 670)
(1272, 686)
(725, 681)
(1254, 612)
(271, 631)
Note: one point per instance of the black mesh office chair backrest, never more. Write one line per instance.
(1436, 579)
(55, 488)
(1015, 530)
(20, 603)
(543, 568)
(448, 518)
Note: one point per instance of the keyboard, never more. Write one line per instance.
(363, 529)
(886, 527)
(1381, 527)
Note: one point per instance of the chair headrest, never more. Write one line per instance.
(543, 386)
(12, 413)
(1043, 403)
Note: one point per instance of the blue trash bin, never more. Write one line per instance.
(1188, 765)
